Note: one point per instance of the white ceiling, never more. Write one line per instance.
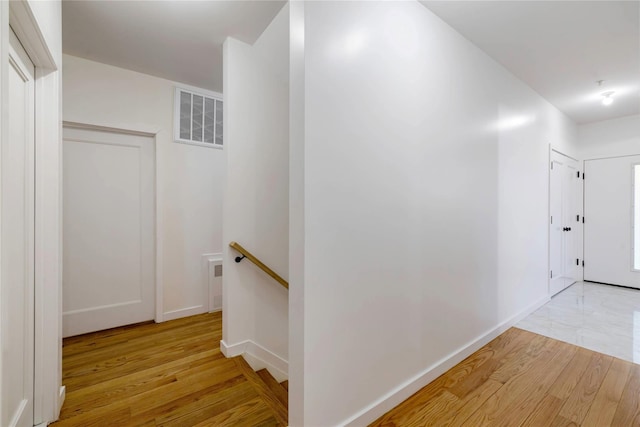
(560, 48)
(176, 40)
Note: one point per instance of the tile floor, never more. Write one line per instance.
(599, 317)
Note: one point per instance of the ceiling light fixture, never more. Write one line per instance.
(607, 98)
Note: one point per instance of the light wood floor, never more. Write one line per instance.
(524, 379)
(167, 374)
(173, 374)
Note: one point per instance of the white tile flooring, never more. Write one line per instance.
(601, 318)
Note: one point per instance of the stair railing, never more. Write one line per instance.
(246, 254)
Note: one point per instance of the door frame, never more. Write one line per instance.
(48, 394)
(157, 214)
(580, 203)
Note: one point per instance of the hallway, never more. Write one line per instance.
(173, 374)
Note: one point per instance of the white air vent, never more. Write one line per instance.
(212, 275)
(198, 119)
(215, 284)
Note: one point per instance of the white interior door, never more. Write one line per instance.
(565, 223)
(609, 243)
(17, 250)
(556, 233)
(571, 210)
(109, 230)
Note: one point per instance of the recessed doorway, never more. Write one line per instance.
(109, 229)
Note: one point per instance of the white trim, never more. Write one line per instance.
(62, 395)
(4, 135)
(17, 417)
(609, 157)
(159, 153)
(563, 154)
(258, 358)
(101, 307)
(25, 26)
(633, 218)
(549, 167)
(88, 126)
(408, 388)
(198, 144)
(233, 350)
(199, 91)
(184, 312)
(48, 373)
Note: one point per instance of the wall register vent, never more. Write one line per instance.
(197, 119)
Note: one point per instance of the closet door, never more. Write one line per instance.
(109, 230)
(17, 239)
(565, 223)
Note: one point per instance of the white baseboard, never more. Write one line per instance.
(258, 358)
(62, 394)
(19, 416)
(408, 388)
(184, 312)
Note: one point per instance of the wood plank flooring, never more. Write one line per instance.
(166, 374)
(525, 379)
(173, 374)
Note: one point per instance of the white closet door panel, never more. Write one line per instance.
(109, 247)
(564, 231)
(17, 240)
(556, 281)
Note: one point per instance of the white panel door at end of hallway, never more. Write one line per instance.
(565, 224)
(17, 246)
(109, 230)
(612, 221)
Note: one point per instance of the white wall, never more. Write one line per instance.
(256, 200)
(610, 138)
(190, 178)
(425, 205)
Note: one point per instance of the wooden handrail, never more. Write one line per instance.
(256, 261)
